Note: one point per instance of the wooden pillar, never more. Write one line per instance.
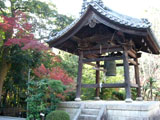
(97, 81)
(127, 77)
(80, 66)
(136, 67)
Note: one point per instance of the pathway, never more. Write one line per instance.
(10, 118)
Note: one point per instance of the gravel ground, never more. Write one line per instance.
(10, 118)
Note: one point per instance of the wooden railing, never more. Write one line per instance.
(78, 112)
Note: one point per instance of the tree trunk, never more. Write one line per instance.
(3, 73)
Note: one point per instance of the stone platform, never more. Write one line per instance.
(114, 110)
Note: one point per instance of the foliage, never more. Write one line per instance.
(18, 76)
(43, 15)
(55, 73)
(69, 63)
(43, 97)
(88, 77)
(105, 94)
(57, 115)
(150, 89)
(23, 26)
(19, 31)
(23, 53)
(149, 76)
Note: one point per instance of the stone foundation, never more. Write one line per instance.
(116, 110)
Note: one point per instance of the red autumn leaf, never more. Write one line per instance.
(21, 32)
(55, 73)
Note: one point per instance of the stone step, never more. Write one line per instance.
(92, 106)
(90, 111)
(87, 117)
(69, 105)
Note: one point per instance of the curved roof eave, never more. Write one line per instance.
(103, 17)
(73, 28)
(154, 41)
(120, 18)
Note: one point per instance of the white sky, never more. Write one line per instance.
(133, 8)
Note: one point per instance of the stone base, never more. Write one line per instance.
(77, 99)
(97, 98)
(139, 99)
(128, 100)
(117, 110)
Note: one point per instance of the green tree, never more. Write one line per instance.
(44, 18)
(42, 97)
(21, 62)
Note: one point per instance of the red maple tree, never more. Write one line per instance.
(20, 32)
(55, 73)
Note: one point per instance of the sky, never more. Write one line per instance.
(133, 8)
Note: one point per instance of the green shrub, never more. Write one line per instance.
(42, 97)
(57, 115)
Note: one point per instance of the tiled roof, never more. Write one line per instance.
(116, 17)
(109, 14)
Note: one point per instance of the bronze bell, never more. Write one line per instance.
(110, 67)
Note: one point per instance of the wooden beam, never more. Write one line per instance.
(92, 64)
(90, 85)
(96, 38)
(103, 59)
(99, 69)
(75, 38)
(132, 54)
(97, 51)
(118, 65)
(114, 85)
(134, 86)
(132, 62)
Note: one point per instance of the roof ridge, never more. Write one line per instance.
(86, 3)
(115, 16)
